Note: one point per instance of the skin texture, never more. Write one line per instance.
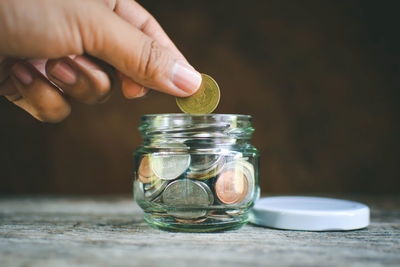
(56, 50)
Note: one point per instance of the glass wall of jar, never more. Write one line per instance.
(196, 173)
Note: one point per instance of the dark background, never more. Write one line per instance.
(321, 79)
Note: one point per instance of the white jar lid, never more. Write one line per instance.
(309, 213)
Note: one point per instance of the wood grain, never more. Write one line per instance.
(55, 231)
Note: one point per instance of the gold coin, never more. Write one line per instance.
(205, 100)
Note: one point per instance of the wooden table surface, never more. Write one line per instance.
(109, 231)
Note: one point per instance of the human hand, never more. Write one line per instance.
(43, 51)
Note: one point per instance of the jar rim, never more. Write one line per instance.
(184, 125)
(180, 115)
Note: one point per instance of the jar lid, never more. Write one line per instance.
(309, 213)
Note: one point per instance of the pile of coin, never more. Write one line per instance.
(188, 185)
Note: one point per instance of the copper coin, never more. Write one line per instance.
(145, 173)
(145, 180)
(231, 186)
(217, 213)
(190, 221)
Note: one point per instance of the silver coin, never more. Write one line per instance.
(211, 168)
(138, 191)
(157, 199)
(155, 191)
(147, 187)
(203, 162)
(186, 194)
(234, 213)
(208, 190)
(171, 147)
(169, 166)
(151, 185)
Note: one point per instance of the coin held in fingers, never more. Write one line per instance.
(205, 100)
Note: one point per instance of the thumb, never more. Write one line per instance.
(107, 36)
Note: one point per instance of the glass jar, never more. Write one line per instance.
(196, 173)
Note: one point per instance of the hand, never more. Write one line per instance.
(44, 47)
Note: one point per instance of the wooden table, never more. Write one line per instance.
(109, 231)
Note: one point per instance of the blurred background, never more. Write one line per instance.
(320, 78)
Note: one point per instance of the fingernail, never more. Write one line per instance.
(186, 78)
(64, 73)
(143, 92)
(22, 73)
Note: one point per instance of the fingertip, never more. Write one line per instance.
(23, 73)
(131, 89)
(62, 70)
(36, 95)
(132, 93)
(81, 78)
(186, 79)
(54, 112)
(143, 92)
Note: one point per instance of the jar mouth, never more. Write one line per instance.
(196, 125)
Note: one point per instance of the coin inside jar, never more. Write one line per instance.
(187, 194)
(203, 162)
(138, 190)
(145, 173)
(156, 188)
(169, 166)
(187, 221)
(248, 169)
(204, 167)
(208, 190)
(231, 186)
